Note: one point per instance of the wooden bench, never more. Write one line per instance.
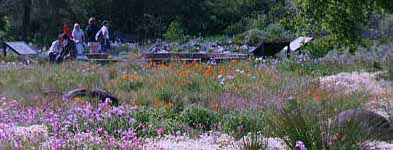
(229, 58)
(104, 60)
(191, 57)
(167, 60)
(98, 56)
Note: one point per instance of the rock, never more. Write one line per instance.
(369, 122)
(103, 95)
(73, 93)
(95, 93)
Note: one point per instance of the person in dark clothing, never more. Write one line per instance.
(91, 31)
(69, 49)
(103, 37)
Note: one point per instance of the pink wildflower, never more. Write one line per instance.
(300, 145)
(160, 131)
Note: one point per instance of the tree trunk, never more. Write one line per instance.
(26, 19)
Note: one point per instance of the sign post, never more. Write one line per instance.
(4, 49)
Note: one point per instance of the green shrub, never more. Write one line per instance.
(256, 21)
(11, 57)
(239, 124)
(308, 68)
(165, 94)
(277, 32)
(121, 48)
(272, 33)
(390, 72)
(175, 32)
(149, 120)
(199, 118)
(253, 36)
(320, 47)
(254, 141)
(310, 121)
(130, 85)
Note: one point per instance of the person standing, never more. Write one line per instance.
(78, 37)
(91, 31)
(67, 29)
(102, 36)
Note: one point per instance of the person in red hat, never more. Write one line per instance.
(67, 29)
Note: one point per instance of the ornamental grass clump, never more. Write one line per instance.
(312, 122)
(200, 118)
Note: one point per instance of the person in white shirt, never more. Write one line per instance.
(78, 37)
(102, 36)
(56, 48)
(62, 49)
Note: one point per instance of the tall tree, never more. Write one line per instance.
(27, 4)
(344, 20)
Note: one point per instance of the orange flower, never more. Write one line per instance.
(222, 71)
(317, 96)
(214, 106)
(387, 94)
(208, 72)
(184, 74)
(130, 77)
(80, 101)
(170, 106)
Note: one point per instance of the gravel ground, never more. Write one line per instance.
(208, 142)
(381, 91)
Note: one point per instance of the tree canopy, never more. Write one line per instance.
(150, 19)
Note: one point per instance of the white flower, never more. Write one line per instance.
(353, 82)
(220, 76)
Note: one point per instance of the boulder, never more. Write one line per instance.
(369, 122)
(94, 93)
(74, 93)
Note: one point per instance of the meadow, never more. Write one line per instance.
(251, 104)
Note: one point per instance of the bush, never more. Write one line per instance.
(319, 48)
(310, 122)
(175, 32)
(256, 21)
(150, 120)
(200, 118)
(239, 124)
(272, 33)
(121, 48)
(308, 68)
(390, 73)
(277, 32)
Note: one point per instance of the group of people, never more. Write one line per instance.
(71, 43)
